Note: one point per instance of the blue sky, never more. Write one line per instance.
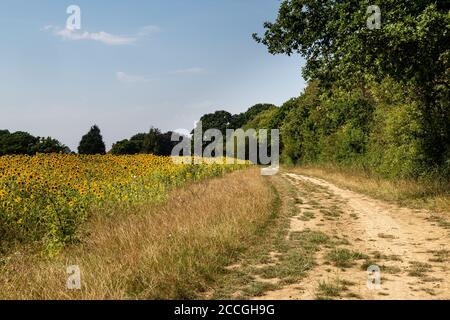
(135, 64)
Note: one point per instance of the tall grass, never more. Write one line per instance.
(167, 251)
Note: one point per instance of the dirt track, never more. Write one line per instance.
(410, 246)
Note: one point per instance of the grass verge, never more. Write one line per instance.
(173, 250)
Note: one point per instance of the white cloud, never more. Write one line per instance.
(102, 36)
(129, 78)
(187, 71)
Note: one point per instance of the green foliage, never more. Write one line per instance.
(92, 142)
(377, 99)
(165, 143)
(380, 129)
(282, 112)
(155, 142)
(221, 120)
(26, 144)
(396, 145)
(298, 128)
(252, 113)
(50, 145)
(158, 143)
(125, 147)
(150, 143)
(262, 120)
(17, 143)
(412, 45)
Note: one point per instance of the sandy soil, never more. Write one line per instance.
(411, 250)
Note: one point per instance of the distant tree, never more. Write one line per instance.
(50, 145)
(256, 110)
(126, 147)
(92, 142)
(166, 144)
(263, 120)
(17, 143)
(220, 120)
(223, 120)
(25, 143)
(138, 139)
(150, 143)
(155, 142)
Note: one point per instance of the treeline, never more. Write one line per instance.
(25, 143)
(160, 143)
(22, 143)
(154, 142)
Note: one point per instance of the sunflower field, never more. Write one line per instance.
(48, 197)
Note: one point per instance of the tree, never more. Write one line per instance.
(25, 143)
(50, 145)
(166, 144)
(263, 120)
(411, 46)
(150, 143)
(257, 110)
(126, 147)
(239, 120)
(17, 143)
(221, 120)
(92, 142)
(138, 139)
(154, 142)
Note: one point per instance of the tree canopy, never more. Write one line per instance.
(154, 142)
(27, 144)
(411, 46)
(92, 142)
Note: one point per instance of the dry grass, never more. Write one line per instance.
(168, 251)
(433, 195)
(281, 257)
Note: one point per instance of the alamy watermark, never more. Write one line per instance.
(211, 146)
(374, 277)
(74, 20)
(374, 19)
(74, 278)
